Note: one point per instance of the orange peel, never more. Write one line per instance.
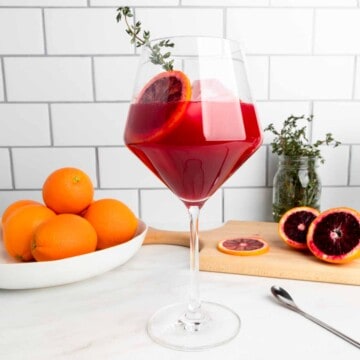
(244, 246)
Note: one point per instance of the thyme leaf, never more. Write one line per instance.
(142, 38)
(291, 140)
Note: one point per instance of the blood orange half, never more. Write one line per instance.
(334, 236)
(294, 224)
(243, 246)
(164, 99)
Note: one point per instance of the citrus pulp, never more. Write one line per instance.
(293, 226)
(245, 246)
(334, 236)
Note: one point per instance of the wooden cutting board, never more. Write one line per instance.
(280, 262)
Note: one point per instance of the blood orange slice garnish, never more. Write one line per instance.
(294, 224)
(334, 236)
(245, 246)
(169, 93)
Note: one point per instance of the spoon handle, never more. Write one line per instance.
(329, 328)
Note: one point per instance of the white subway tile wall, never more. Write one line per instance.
(169, 211)
(5, 178)
(275, 113)
(258, 73)
(262, 30)
(24, 125)
(340, 118)
(46, 79)
(32, 166)
(66, 76)
(311, 77)
(354, 166)
(91, 124)
(21, 31)
(181, 21)
(330, 39)
(114, 77)
(84, 31)
(121, 169)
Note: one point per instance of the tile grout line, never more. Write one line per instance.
(105, 102)
(97, 169)
(44, 31)
(74, 55)
(279, 100)
(103, 146)
(12, 170)
(70, 102)
(112, 188)
(356, 66)
(50, 125)
(134, 54)
(93, 79)
(197, 7)
(311, 112)
(349, 165)
(2, 65)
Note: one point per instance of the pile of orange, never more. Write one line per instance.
(69, 222)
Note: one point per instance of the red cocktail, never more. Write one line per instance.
(208, 143)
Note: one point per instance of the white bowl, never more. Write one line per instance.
(31, 275)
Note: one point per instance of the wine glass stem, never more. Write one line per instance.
(194, 295)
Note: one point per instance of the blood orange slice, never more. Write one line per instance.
(167, 96)
(243, 246)
(294, 224)
(334, 236)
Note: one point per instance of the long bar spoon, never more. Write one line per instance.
(284, 298)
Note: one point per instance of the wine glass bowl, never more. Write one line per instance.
(193, 126)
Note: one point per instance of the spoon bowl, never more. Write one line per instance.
(283, 297)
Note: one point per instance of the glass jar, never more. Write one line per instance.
(296, 183)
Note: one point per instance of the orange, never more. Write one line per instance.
(15, 206)
(334, 236)
(68, 190)
(19, 229)
(113, 221)
(169, 87)
(244, 246)
(63, 236)
(294, 224)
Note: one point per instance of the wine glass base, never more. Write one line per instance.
(172, 328)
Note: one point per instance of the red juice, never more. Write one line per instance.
(194, 146)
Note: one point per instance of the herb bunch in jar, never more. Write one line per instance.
(296, 182)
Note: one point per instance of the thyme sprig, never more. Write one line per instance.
(292, 141)
(157, 56)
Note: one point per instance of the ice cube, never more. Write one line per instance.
(211, 90)
(220, 110)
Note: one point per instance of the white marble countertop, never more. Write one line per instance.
(104, 317)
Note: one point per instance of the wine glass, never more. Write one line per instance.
(193, 124)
